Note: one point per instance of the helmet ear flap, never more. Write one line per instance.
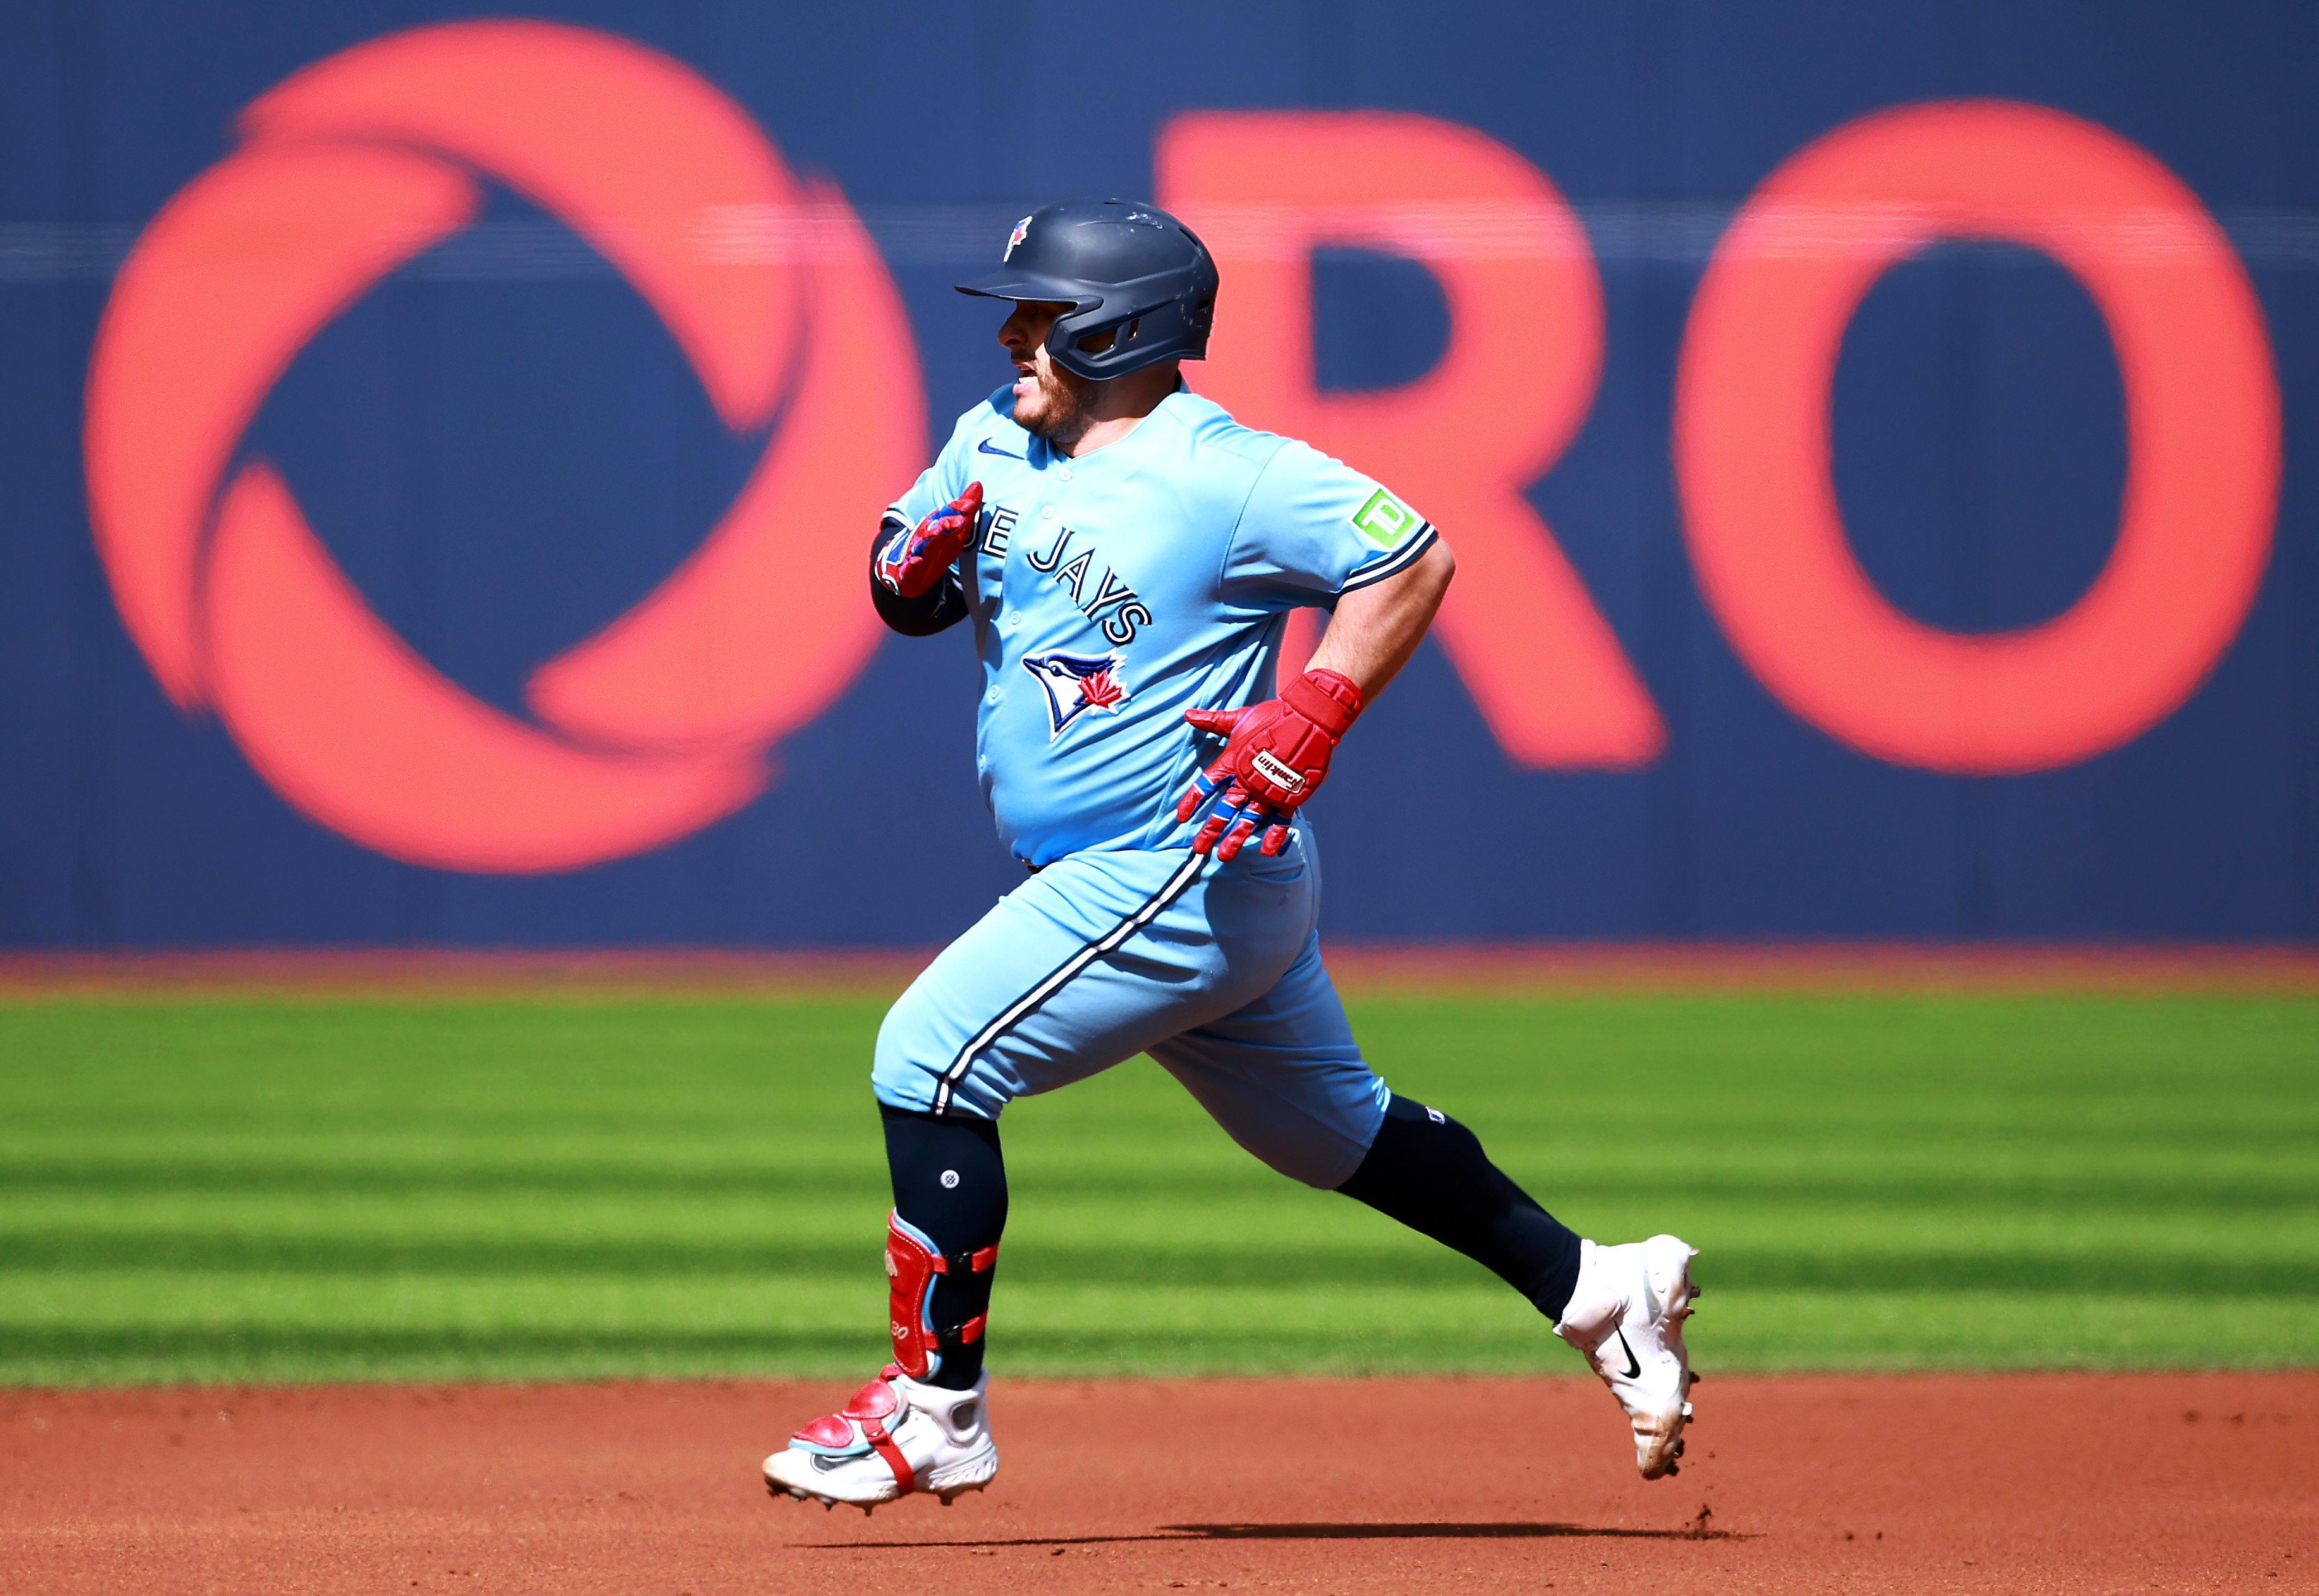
(1200, 320)
(1133, 336)
(1105, 340)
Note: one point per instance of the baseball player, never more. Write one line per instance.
(1128, 555)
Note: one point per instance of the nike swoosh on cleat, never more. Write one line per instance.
(983, 447)
(1634, 1364)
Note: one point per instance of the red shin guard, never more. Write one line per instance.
(911, 1266)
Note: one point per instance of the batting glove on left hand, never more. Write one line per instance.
(913, 561)
(1276, 756)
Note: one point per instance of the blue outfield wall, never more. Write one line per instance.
(502, 446)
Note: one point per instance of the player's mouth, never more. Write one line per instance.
(1026, 379)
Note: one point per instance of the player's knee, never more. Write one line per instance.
(900, 1088)
(913, 1030)
(901, 1074)
(916, 1065)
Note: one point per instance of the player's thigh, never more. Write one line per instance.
(1091, 961)
(1283, 1078)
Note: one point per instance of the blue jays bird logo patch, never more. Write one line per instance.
(1076, 683)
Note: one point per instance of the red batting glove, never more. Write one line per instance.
(913, 561)
(1275, 755)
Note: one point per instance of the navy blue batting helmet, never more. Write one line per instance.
(1123, 268)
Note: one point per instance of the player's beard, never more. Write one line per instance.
(1060, 409)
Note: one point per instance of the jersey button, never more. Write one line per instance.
(992, 696)
(1063, 472)
(1015, 618)
(1047, 512)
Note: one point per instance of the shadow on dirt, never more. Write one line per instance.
(1194, 1532)
(1431, 1532)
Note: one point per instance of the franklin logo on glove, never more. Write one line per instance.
(1275, 755)
(1271, 768)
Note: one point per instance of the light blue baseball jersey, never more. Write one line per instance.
(1112, 593)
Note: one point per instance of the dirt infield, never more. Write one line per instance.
(1422, 969)
(2027, 1483)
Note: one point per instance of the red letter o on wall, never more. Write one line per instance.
(1752, 447)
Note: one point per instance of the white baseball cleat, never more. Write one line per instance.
(896, 1436)
(1627, 1317)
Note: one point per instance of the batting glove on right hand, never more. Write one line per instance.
(914, 560)
(1276, 756)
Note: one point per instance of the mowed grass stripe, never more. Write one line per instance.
(1895, 1249)
(303, 1190)
(245, 1330)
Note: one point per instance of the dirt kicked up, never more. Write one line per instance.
(2061, 1484)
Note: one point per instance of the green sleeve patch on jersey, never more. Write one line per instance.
(1384, 520)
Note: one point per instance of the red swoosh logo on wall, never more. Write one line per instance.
(659, 724)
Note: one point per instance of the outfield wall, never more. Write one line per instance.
(1876, 442)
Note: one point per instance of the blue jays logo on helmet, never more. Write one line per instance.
(1021, 231)
(1076, 683)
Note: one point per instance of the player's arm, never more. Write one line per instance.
(1376, 628)
(913, 577)
(1276, 753)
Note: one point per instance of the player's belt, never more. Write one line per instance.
(1151, 909)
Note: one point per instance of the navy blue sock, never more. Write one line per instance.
(950, 1183)
(1429, 1171)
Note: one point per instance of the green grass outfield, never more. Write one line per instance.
(310, 1190)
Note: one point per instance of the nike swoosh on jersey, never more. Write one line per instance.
(983, 447)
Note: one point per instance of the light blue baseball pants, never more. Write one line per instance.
(1213, 968)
